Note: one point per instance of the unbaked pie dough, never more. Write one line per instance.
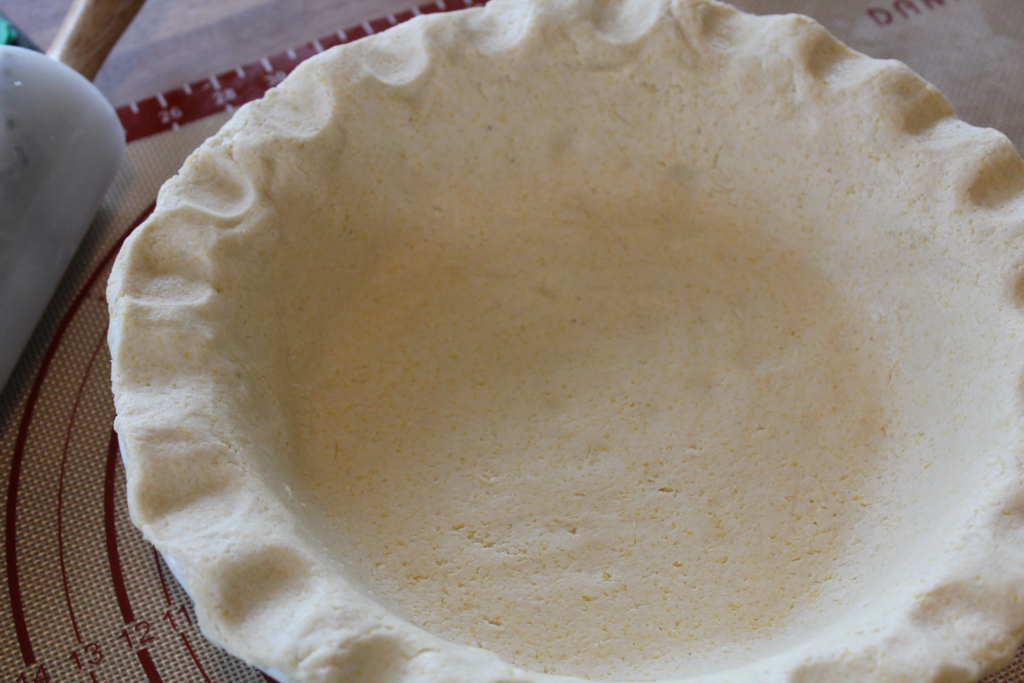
(628, 341)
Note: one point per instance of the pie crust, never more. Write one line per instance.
(614, 340)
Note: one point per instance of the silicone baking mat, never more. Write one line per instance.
(83, 597)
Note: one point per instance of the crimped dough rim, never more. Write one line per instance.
(266, 595)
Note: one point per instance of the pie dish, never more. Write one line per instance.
(562, 339)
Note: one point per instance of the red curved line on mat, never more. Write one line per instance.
(60, 490)
(17, 459)
(160, 573)
(110, 531)
(195, 659)
(267, 678)
(148, 666)
(167, 595)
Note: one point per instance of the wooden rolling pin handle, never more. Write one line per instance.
(89, 32)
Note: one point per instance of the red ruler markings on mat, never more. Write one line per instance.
(231, 89)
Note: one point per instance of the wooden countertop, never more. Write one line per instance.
(177, 41)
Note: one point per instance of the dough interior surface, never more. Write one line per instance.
(584, 397)
(615, 444)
